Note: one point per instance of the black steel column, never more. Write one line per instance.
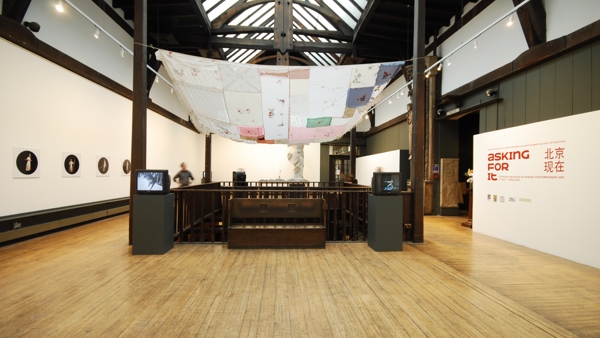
(207, 159)
(418, 106)
(140, 100)
(353, 152)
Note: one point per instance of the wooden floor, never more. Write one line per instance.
(85, 282)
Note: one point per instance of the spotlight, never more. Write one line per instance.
(510, 21)
(366, 116)
(490, 92)
(439, 69)
(122, 52)
(171, 90)
(390, 101)
(59, 6)
(156, 79)
(474, 44)
(428, 75)
(33, 26)
(448, 62)
(97, 33)
(402, 92)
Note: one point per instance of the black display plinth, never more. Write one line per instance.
(385, 223)
(153, 228)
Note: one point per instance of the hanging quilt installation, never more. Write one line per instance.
(275, 104)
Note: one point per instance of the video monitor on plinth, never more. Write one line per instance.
(386, 183)
(152, 182)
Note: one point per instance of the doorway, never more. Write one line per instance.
(339, 167)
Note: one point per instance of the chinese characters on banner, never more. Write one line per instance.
(554, 160)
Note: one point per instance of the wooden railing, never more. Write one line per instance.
(201, 212)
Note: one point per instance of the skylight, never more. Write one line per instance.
(304, 18)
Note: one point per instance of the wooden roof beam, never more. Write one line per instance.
(532, 17)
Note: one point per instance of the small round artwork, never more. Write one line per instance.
(126, 167)
(71, 164)
(27, 162)
(103, 165)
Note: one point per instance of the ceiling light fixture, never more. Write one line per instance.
(474, 44)
(156, 80)
(428, 75)
(448, 62)
(122, 52)
(171, 90)
(402, 92)
(439, 68)
(59, 6)
(390, 101)
(97, 33)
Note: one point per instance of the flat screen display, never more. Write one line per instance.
(152, 182)
(386, 183)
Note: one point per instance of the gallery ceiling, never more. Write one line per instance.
(324, 32)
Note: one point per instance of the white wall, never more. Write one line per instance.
(386, 110)
(547, 199)
(260, 161)
(169, 144)
(47, 108)
(367, 165)
(496, 47)
(71, 33)
(564, 17)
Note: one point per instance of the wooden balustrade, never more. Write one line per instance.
(201, 211)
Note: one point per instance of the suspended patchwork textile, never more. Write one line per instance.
(275, 104)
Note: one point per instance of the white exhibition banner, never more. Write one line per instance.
(535, 185)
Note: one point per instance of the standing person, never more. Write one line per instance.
(185, 176)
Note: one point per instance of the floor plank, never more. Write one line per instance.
(84, 281)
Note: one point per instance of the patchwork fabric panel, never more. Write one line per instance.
(358, 97)
(275, 104)
(245, 109)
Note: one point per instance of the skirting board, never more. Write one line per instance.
(36, 229)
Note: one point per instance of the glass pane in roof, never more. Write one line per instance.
(341, 13)
(256, 17)
(213, 13)
(305, 20)
(361, 3)
(350, 7)
(209, 4)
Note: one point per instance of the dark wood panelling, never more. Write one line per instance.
(491, 117)
(547, 91)
(582, 81)
(596, 76)
(532, 100)
(564, 86)
(483, 120)
(324, 160)
(505, 108)
(520, 95)
(383, 141)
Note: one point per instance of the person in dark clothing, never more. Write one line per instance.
(185, 176)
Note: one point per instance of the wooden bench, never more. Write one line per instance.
(276, 223)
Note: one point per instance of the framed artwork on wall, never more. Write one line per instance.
(71, 164)
(26, 163)
(125, 167)
(103, 166)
